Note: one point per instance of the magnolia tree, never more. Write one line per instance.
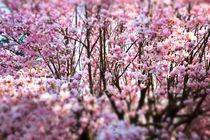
(102, 69)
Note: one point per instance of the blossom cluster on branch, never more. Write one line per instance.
(102, 69)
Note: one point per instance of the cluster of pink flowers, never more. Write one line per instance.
(102, 69)
(44, 108)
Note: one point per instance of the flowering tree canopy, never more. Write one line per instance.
(105, 69)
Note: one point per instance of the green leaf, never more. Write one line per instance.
(22, 38)
(4, 40)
